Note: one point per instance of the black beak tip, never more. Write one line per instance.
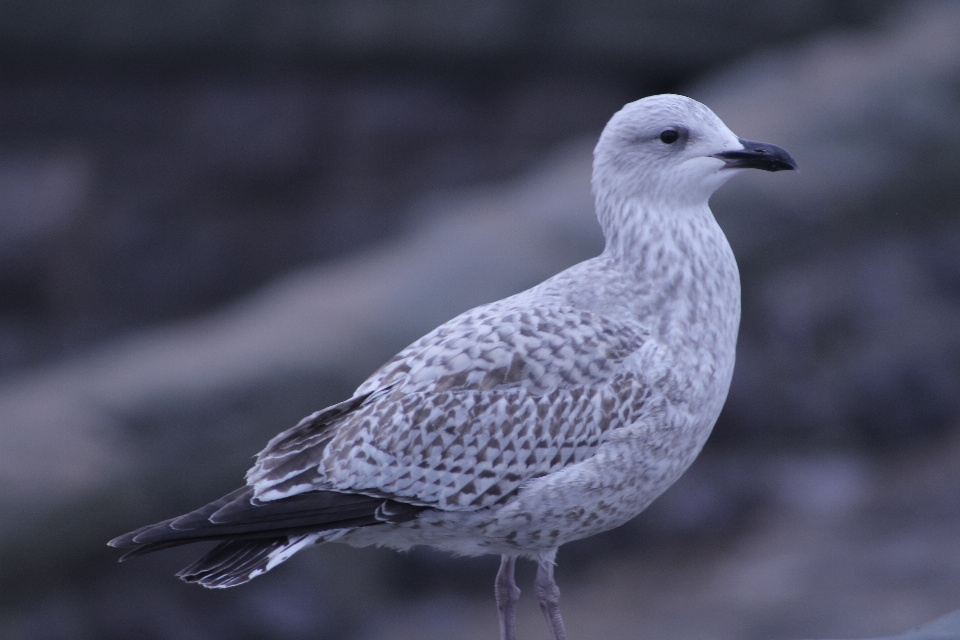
(758, 155)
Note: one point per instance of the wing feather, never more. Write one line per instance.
(238, 515)
(462, 418)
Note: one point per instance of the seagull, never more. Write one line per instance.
(521, 425)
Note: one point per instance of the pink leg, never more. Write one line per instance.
(549, 594)
(507, 595)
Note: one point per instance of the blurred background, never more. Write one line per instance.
(217, 216)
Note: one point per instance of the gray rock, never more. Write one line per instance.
(676, 34)
(944, 628)
(202, 187)
(211, 146)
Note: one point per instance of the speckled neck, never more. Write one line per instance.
(681, 266)
(642, 235)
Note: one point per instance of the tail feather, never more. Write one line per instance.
(231, 563)
(256, 536)
(235, 562)
(257, 530)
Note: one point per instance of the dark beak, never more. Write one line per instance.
(757, 155)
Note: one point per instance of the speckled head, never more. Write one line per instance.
(671, 151)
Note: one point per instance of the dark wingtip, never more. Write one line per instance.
(126, 540)
(132, 538)
(144, 549)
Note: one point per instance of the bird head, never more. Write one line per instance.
(670, 150)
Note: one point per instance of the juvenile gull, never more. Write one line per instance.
(523, 424)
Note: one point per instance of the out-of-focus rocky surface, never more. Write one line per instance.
(825, 506)
(130, 198)
(157, 161)
(851, 329)
(670, 34)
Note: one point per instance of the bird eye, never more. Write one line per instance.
(669, 136)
